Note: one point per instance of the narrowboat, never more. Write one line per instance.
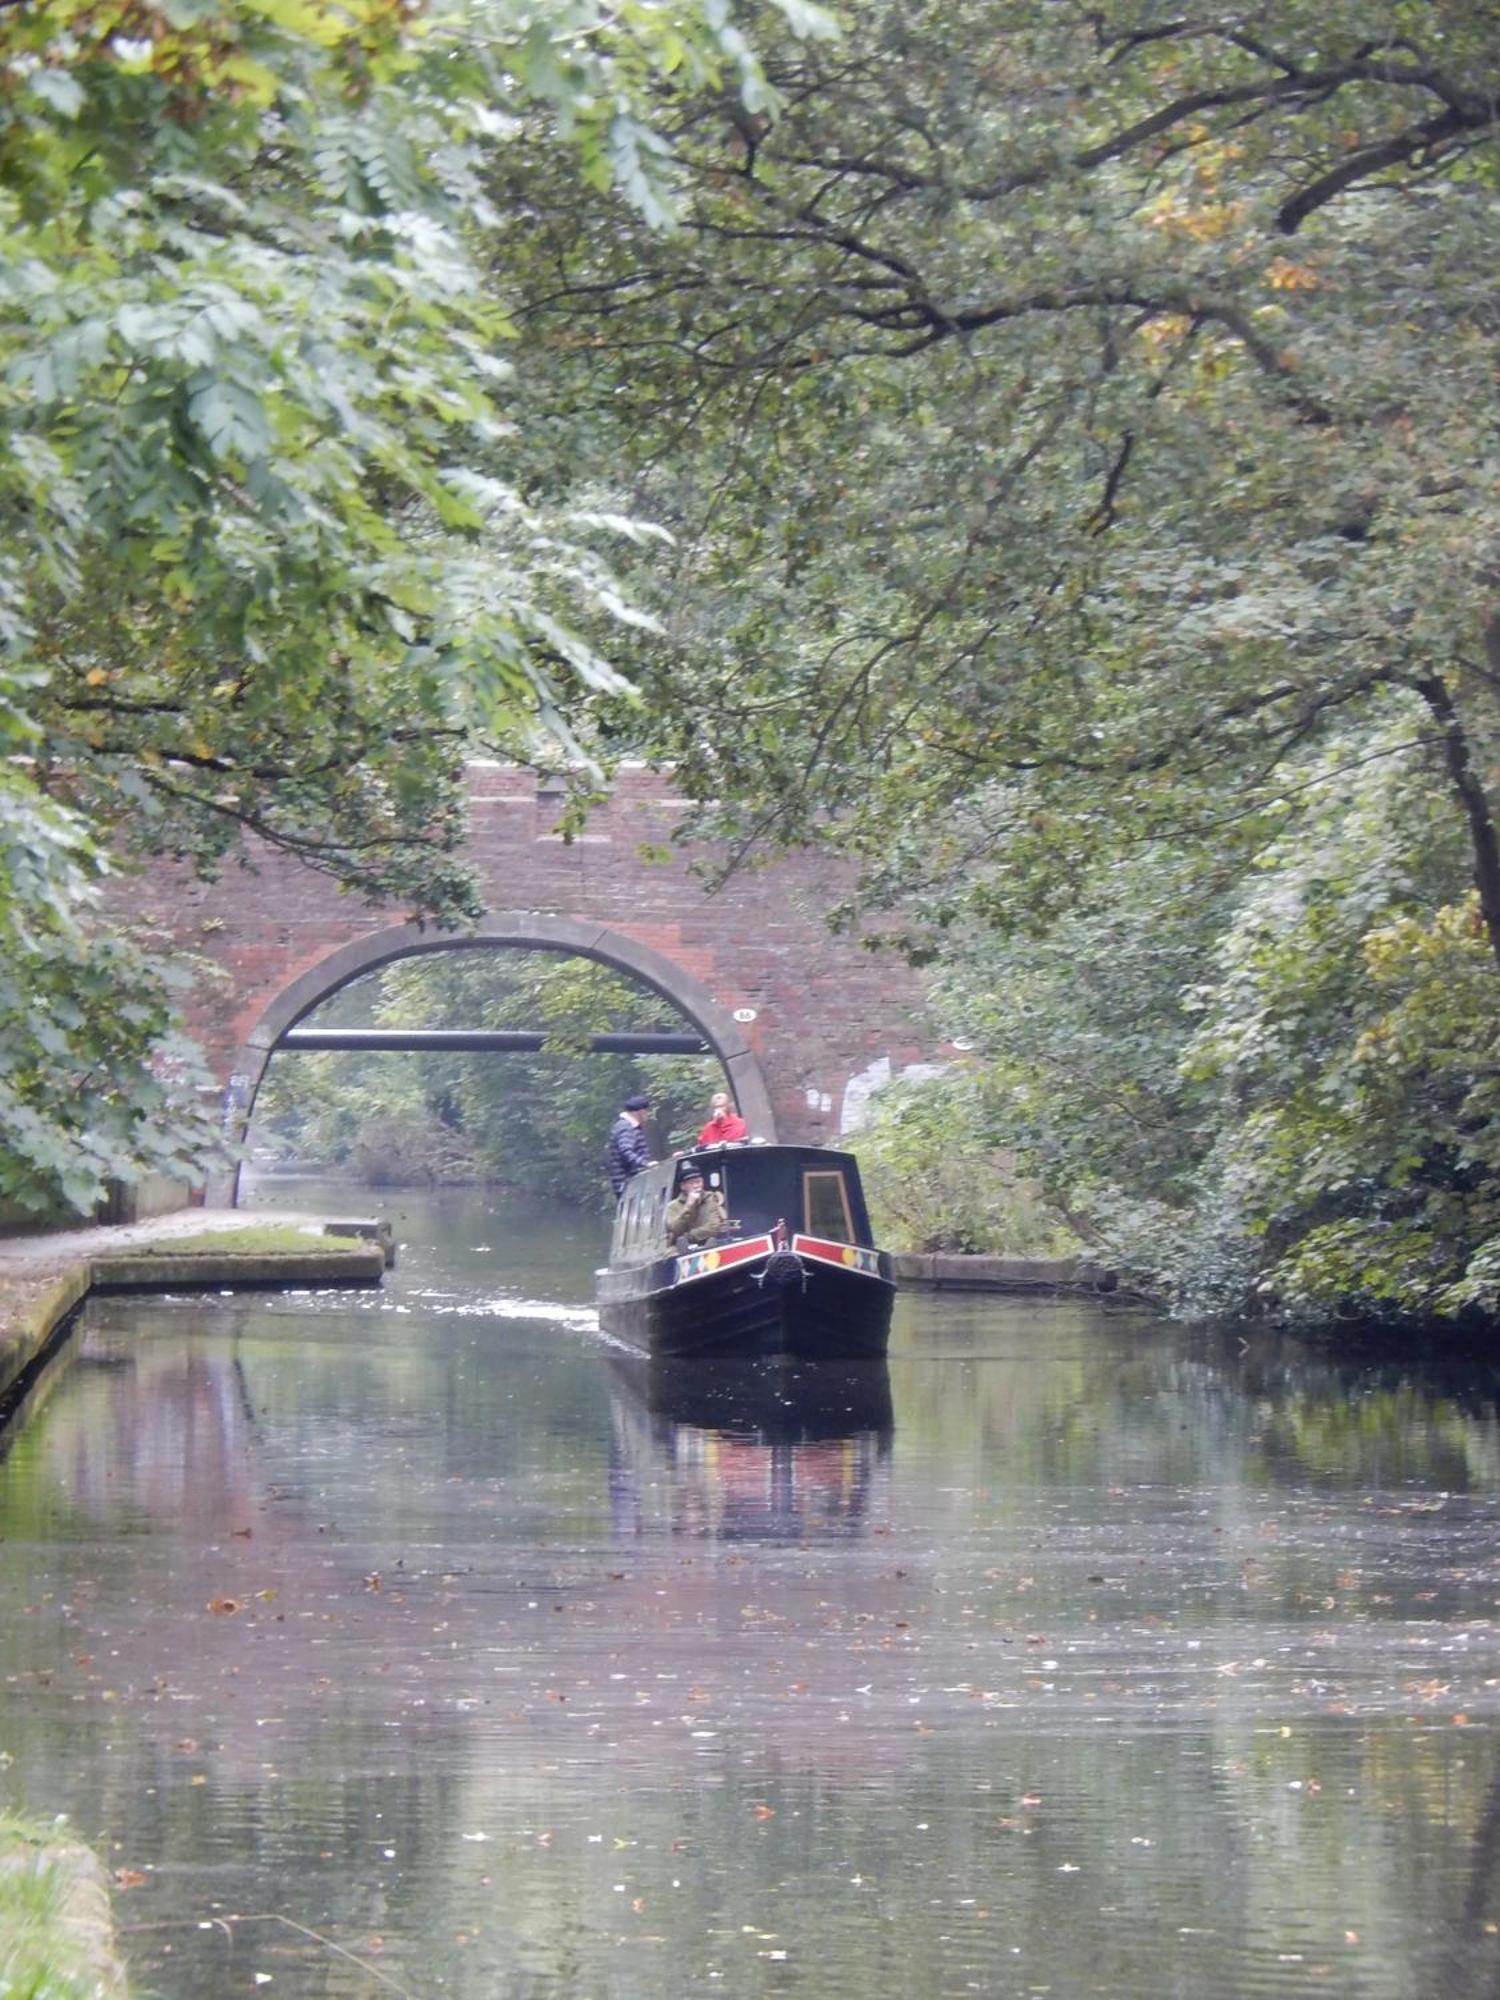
(793, 1273)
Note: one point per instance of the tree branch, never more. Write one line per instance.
(1474, 800)
(1403, 150)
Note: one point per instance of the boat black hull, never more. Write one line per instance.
(744, 1313)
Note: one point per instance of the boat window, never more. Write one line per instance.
(825, 1204)
(644, 1214)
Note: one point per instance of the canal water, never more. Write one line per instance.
(413, 1642)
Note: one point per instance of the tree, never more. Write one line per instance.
(1091, 477)
(85, 1020)
(530, 1122)
(265, 567)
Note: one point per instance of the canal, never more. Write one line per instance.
(412, 1642)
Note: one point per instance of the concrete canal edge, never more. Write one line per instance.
(962, 1271)
(32, 1312)
(41, 1288)
(167, 1270)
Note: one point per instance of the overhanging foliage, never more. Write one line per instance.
(266, 565)
(1078, 425)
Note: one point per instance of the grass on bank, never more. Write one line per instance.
(272, 1239)
(55, 1937)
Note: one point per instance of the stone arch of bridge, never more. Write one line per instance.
(516, 931)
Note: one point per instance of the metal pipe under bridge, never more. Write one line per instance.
(481, 1041)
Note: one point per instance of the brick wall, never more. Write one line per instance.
(823, 1009)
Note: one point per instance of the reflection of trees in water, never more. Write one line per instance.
(1472, 1948)
(1060, 1397)
(148, 1430)
(1373, 1416)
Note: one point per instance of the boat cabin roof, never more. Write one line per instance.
(811, 1190)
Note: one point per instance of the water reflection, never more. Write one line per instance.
(751, 1451)
(1071, 1653)
(171, 1433)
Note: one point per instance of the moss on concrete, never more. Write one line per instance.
(267, 1254)
(269, 1239)
(160, 1269)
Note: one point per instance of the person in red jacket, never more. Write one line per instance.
(724, 1122)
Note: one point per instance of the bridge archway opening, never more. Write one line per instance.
(638, 963)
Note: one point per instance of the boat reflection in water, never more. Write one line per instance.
(748, 1450)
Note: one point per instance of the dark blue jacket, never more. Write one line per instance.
(629, 1151)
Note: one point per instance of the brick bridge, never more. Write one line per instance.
(801, 1021)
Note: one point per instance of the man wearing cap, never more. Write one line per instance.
(698, 1213)
(629, 1149)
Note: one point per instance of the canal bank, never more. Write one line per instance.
(46, 1275)
(971, 1271)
